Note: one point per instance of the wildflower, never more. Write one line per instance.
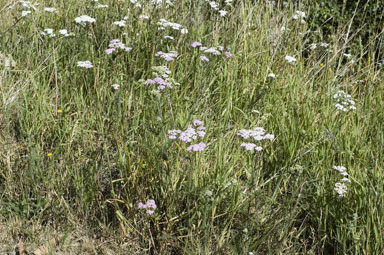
(168, 37)
(344, 101)
(341, 189)
(204, 58)
(214, 5)
(48, 32)
(64, 32)
(196, 44)
(116, 44)
(197, 147)
(193, 132)
(49, 9)
(115, 86)
(150, 206)
(227, 54)
(143, 17)
(120, 23)
(49, 154)
(313, 46)
(272, 75)
(299, 14)
(223, 13)
(211, 50)
(25, 13)
(98, 6)
(109, 51)
(59, 111)
(258, 134)
(184, 31)
(290, 59)
(84, 19)
(85, 64)
(167, 56)
(340, 168)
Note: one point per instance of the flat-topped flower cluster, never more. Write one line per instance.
(256, 134)
(344, 101)
(192, 133)
(162, 78)
(341, 187)
(116, 44)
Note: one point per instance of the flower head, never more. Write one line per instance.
(290, 59)
(85, 64)
(196, 44)
(84, 19)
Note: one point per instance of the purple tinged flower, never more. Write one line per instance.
(198, 123)
(248, 146)
(196, 44)
(109, 51)
(167, 56)
(151, 204)
(227, 54)
(150, 212)
(141, 205)
(201, 133)
(149, 82)
(204, 58)
(197, 147)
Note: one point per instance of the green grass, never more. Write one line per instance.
(90, 165)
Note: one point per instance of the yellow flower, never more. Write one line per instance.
(321, 64)
(49, 154)
(59, 111)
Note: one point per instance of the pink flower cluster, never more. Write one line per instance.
(150, 206)
(116, 44)
(162, 84)
(193, 132)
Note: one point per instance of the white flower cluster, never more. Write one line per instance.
(192, 133)
(85, 64)
(299, 15)
(99, 6)
(26, 5)
(84, 19)
(214, 5)
(156, 3)
(341, 187)
(315, 45)
(170, 56)
(120, 23)
(116, 44)
(212, 50)
(344, 101)
(48, 32)
(50, 9)
(163, 24)
(290, 59)
(258, 134)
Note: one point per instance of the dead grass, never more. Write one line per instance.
(43, 240)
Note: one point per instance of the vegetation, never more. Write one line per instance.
(190, 127)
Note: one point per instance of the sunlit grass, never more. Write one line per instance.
(83, 145)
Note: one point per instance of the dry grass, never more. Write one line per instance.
(34, 236)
